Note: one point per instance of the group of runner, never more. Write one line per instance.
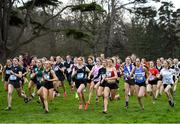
(45, 77)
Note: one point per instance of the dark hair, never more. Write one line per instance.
(99, 59)
(129, 58)
(16, 58)
(81, 58)
(111, 60)
(90, 57)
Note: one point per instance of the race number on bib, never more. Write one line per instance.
(56, 68)
(151, 78)
(12, 77)
(39, 79)
(103, 75)
(108, 74)
(80, 75)
(139, 77)
(8, 71)
(31, 76)
(168, 80)
(69, 70)
(47, 77)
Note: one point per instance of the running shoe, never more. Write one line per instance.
(80, 106)
(86, 106)
(8, 109)
(65, 94)
(26, 99)
(104, 112)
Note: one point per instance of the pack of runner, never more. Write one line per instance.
(102, 75)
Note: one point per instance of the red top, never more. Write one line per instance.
(112, 74)
(153, 71)
(117, 66)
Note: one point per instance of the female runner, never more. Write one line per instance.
(79, 75)
(46, 92)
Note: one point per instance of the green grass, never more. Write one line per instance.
(65, 110)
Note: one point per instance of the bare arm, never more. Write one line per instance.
(132, 72)
(73, 72)
(90, 73)
(54, 76)
(19, 75)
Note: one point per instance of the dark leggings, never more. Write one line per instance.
(68, 75)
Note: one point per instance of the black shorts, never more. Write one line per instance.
(111, 85)
(153, 82)
(130, 81)
(68, 76)
(48, 85)
(34, 80)
(95, 82)
(61, 78)
(89, 80)
(103, 84)
(140, 84)
(79, 82)
(159, 79)
(16, 84)
(118, 74)
(165, 85)
(22, 80)
(6, 78)
(117, 81)
(38, 85)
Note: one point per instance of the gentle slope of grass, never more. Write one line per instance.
(64, 110)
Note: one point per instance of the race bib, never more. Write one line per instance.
(39, 79)
(47, 77)
(80, 75)
(31, 76)
(8, 71)
(151, 78)
(168, 80)
(108, 74)
(139, 77)
(56, 68)
(103, 75)
(13, 78)
(69, 70)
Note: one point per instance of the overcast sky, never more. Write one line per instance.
(176, 2)
(127, 16)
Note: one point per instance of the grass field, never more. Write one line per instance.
(65, 110)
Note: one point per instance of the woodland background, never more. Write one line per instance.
(84, 27)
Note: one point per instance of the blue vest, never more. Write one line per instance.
(126, 71)
(139, 75)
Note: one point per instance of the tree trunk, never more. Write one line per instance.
(4, 26)
(108, 46)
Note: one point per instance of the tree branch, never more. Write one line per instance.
(55, 16)
(25, 22)
(34, 37)
(122, 6)
(40, 29)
